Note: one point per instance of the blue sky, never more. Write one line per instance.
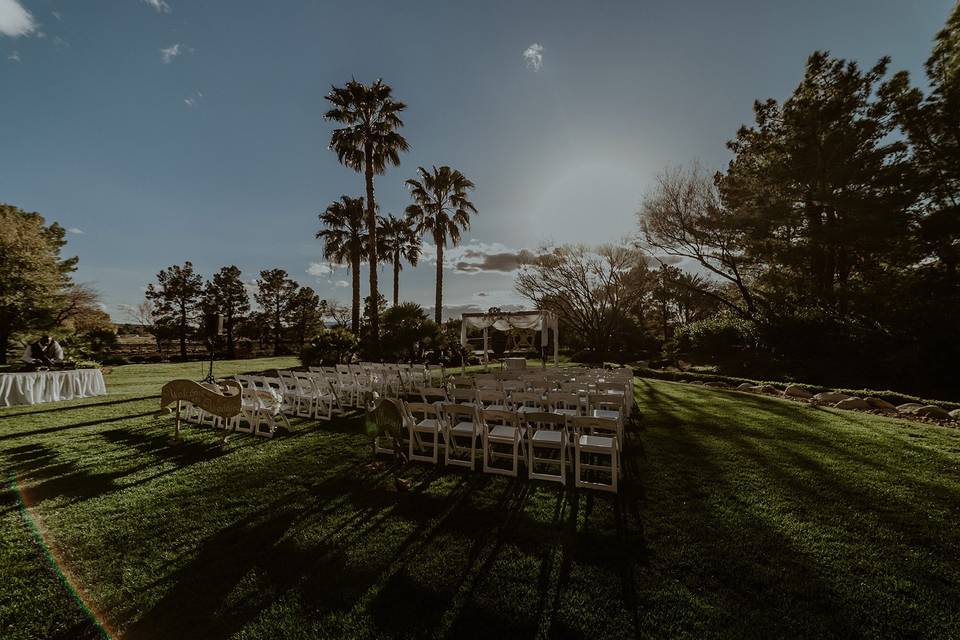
(172, 130)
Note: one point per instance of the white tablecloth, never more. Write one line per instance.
(50, 386)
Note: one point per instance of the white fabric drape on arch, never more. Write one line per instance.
(541, 321)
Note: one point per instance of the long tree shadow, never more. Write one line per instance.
(14, 413)
(76, 425)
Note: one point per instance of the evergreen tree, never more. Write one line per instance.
(176, 298)
(275, 291)
(226, 295)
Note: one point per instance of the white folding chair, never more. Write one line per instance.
(524, 401)
(463, 396)
(596, 438)
(492, 399)
(323, 395)
(546, 431)
(459, 423)
(503, 429)
(608, 405)
(423, 419)
(568, 404)
(433, 394)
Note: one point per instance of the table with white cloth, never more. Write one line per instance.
(35, 387)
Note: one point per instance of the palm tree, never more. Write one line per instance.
(345, 240)
(398, 241)
(367, 143)
(442, 209)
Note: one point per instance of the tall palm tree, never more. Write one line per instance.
(345, 240)
(368, 142)
(398, 241)
(441, 208)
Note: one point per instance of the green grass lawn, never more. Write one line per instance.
(740, 516)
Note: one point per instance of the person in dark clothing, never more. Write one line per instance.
(45, 351)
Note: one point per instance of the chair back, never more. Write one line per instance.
(417, 411)
(463, 395)
(519, 399)
(562, 400)
(589, 425)
(453, 413)
(494, 417)
(537, 420)
(491, 396)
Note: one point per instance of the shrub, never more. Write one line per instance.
(329, 347)
(406, 332)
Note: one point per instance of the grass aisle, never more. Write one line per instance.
(741, 516)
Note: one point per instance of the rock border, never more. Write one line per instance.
(912, 411)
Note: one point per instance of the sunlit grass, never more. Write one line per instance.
(740, 516)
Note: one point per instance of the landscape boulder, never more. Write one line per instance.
(745, 386)
(855, 404)
(793, 391)
(829, 397)
(955, 414)
(932, 411)
(879, 404)
(768, 389)
(909, 407)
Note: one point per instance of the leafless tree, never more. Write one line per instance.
(144, 315)
(683, 216)
(592, 290)
(338, 312)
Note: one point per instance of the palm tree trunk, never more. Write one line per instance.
(231, 347)
(396, 277)
(436, 313)
(276, 330)
(372, 252)
(355, 310)
(183, 332)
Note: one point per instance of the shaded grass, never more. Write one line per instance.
(740, 516)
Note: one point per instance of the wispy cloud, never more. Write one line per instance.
(159, 5)
(14, 56)
(169, 53)
(194, 99)
(319, 269)
(343, 284)
(60, 43)
(57, 15)
(534, 56)
(15, 20)
(76, 231)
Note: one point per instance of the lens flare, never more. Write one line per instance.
(55, 561)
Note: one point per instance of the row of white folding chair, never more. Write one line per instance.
(267, 400)
(598, 404)
(254, 413)
(522, 434)
(310, 394)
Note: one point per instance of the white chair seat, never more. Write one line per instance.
(497, 407)
(462, 428)
(605, 413)
(596, 443)
(566, 412)
(503, 433)
(429, 425)
(545, 436)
